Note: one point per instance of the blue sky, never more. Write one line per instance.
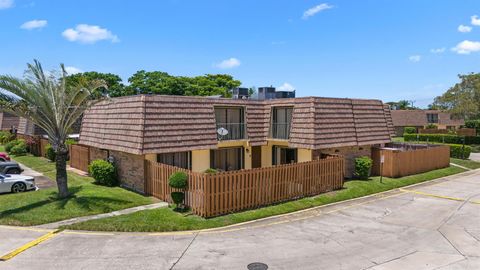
(366, 49)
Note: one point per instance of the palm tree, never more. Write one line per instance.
(48, 101)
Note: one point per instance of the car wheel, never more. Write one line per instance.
(13, 171)
(18, 187)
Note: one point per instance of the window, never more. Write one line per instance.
(283, 155)
(432, 118)
(231, 119)
(281, 122)
(227, 159)
(179, 159)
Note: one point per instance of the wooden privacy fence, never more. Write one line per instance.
(216, 194)
(79, 157)
(406, 159)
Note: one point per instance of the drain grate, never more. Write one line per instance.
(257, 266)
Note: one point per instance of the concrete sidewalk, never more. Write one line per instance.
(434, 225)
(55, 225)
(475, 156)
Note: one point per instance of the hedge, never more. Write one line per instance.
(457, 149)
(441, 138)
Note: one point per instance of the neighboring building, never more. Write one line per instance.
(8, 120)
(198, 133)
(421, 118)
(27, 127)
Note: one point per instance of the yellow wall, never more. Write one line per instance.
(200, 160)
(304, 155)
(151, 157)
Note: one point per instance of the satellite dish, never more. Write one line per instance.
(222, 131)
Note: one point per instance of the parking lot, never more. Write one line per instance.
(435, 225)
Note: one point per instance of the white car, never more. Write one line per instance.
(16, 183)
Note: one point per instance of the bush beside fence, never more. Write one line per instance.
(442, 138)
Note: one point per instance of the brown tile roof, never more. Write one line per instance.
(404, 118)
(158, 124)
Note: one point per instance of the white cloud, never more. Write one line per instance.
(228, 63)
(437, 50)
(316, 9)
(4, 4)
(73, 70)
(89, 34)
(467, 47)
(464, 28)
(286, 87)
(475, 20)
(34, 24)
(415, 58)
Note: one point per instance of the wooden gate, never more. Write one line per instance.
(79, 157)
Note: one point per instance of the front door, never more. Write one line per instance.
(256, 156)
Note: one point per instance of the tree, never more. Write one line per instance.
(463, 99)
(402, 105)
(48, 101)
(113, 81)
(157, 82)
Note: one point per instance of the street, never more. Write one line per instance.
(434, 225)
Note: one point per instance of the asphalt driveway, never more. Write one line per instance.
(431, 226)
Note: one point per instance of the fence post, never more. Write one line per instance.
(206, 194)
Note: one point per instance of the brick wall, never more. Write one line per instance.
(130, 170)
(350, 153)
(96, 153)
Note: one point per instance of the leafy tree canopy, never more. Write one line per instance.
(115, 87)
(463, 99)
(402, 105)
(157, 82)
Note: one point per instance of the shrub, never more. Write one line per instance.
(211, 171)
(442, 138)
(431, 126)
(5, 137)
(177, 197)
(178, 180)
(410, 130)
(103, 172)
(70, 142)
(11, 144)
(50, 152)
(363, 166)
(473, 124)
(19, 149)
(460, 151)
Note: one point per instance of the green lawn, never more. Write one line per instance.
(466, 163)
(42, 206)
(165, 219)
(398, 139)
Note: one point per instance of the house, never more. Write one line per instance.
(8, 120)
(422, 118)
(198, 133)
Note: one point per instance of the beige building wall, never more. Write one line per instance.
(200, 160)
(304, 155)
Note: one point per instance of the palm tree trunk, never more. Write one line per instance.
(61, 165)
